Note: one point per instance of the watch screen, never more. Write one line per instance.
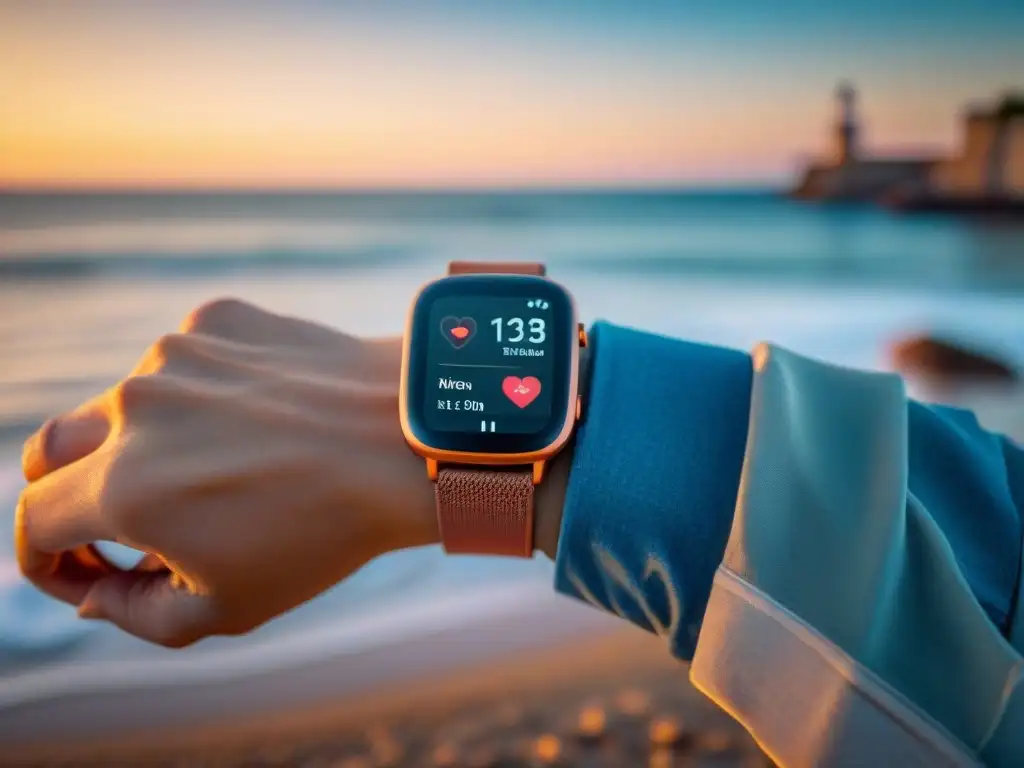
(490, 360)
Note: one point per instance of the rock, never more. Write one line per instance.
(718, 742)
(547, 750)
(943, 362)
(591, 724)
(666, 732)
(446, 755)
(356, 761)
(633, 703)
(483, 756)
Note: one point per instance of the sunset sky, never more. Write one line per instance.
(525, 92)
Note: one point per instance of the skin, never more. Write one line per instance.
(256, 459)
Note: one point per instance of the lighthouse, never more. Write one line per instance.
(846, 127)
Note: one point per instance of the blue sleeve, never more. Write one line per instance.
(656, 473)
(972, 483)
(653, 483)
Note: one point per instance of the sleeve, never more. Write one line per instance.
(841, 564)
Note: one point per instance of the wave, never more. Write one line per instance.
(76, 265)
(20, 209)
(799, 268)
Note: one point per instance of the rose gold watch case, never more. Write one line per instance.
(435, 456)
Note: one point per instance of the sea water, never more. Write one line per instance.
(88, 281)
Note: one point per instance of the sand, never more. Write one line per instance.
(491, 693)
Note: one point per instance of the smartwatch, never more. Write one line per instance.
(490, 392)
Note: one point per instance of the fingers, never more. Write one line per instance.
(64, 510)
(68, 576)
(150, 605)
(66, 439)
(57, 520)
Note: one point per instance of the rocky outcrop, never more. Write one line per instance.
(987, 174)
(863, 180)
(944, 362)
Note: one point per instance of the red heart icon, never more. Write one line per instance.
(522, 392)
(458, 330)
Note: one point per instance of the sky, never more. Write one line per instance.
(445, 93)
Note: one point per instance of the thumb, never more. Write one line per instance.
(150, 605)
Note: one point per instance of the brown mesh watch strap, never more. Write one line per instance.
(487, 511)
(496, 267)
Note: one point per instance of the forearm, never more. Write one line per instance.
(656, 467)
(840, 542)
(653, 480)
(647, 490)
(873, 545)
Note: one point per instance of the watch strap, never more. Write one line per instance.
(487, 511)
(496, 268)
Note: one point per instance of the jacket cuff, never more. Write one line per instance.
(654, 479)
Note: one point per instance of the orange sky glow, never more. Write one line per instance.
(287, 101)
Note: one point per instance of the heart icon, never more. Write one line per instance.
(458, 330)
(522, 392)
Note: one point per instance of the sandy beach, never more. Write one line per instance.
(508, 706)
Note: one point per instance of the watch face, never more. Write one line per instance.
(490, 364)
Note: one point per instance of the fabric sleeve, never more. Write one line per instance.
(846, 623)
(653, 483)
(842, 564)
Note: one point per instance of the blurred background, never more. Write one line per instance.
(846, 179)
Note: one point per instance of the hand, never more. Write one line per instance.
(257, 459)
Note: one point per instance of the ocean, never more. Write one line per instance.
(88, 281)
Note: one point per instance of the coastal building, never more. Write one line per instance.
(990, 162)
(985, 172)
(847, 173)
(847, 128)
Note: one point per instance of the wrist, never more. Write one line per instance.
(413, 506)
(399, 508)
(549, 500)
(415, 518)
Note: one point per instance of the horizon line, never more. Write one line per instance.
(752, 185)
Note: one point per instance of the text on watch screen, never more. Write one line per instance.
(489, 365)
